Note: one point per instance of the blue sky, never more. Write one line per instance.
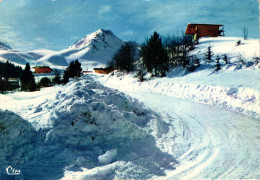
(55, 24)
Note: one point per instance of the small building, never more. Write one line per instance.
(87, 72)
(42, 69)
(204, 30)
(103, 70)
(14, 82)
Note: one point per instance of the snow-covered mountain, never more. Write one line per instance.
(17, 57)
(93, 50)
(4, 46)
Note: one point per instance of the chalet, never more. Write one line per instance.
(103, 70)
(204, 30)
(42, 69)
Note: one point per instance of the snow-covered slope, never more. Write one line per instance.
(17, 57)
(236, 86)
(94, 50)
(4, 46)
(247, 50)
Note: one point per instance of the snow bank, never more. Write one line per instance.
(108, 157)
(234, 90)
(89, 127)
(99, 126)
(92, 115)
(16, 139)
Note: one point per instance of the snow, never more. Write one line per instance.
(42, 52)
(4, 46)
(94, 50)
(18, 58)
(98, 47)
(183, 126)
(207, 137)
(230, 88)
(108, 157)
(32, 106)
(241, 95)
(85, 125)
(248, 48)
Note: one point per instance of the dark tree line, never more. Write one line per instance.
(178, 48)
(158, 54)
(124, 58)
(9, 70)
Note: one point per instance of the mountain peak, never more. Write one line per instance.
(101, 36)
(103, 31)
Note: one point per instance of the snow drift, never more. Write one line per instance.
(95, 132)
(105, 126)
(16, 141)
(236, 95)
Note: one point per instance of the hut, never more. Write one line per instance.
(42, 69)
(14, 82)
(204, 30)
(103, 70)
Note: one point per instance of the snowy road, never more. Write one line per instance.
(211, 142)
(186, 140)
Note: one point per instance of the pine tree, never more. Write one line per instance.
(124, 58)
(8, 70)
(27, 79)
(218, 66)
(154, 55)
(209, 54)
(73, 71)
(78, 69)
(226, 59)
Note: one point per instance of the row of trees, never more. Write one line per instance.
(8, 70)
(124, 58)
(157, 54)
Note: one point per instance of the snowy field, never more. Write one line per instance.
(184, 126)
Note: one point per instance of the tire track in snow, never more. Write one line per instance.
(221, 140)
(196, 158)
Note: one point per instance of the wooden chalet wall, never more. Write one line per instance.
(204, 30)
(43, 69)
